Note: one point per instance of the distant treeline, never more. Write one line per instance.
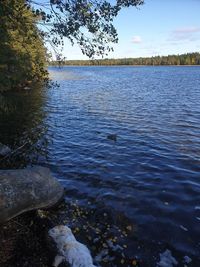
(184, 59)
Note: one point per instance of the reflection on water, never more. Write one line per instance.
(149, 172)
(22, 126)
(58, 74)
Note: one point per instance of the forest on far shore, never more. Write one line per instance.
(184, 59)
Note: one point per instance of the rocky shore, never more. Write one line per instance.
(24, 241)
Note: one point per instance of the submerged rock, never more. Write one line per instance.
(27, 189)
(4, 150)
(187, 260)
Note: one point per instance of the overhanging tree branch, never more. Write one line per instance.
(85, 22)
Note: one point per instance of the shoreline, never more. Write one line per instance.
(24, 240)
(59, 66)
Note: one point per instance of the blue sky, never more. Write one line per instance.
(159, 27)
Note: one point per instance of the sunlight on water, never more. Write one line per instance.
(58, 74)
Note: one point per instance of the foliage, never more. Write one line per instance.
(184, 59)
(22, 53)
(86, 22)
(26, 25)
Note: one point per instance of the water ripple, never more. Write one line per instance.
(150, 169)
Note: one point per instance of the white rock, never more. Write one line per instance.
(183, 228)
(187, 259)
(166, 259)
(4, 150)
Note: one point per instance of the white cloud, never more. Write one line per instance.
(137, 39)
(187, 30)
(185, 34)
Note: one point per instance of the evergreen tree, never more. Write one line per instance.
(184, 59)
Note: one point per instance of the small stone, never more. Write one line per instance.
(167, 260)
(134, 262)
(187, 259)
(129, 227)
(27, 88)
(4, 150)
(183, 228)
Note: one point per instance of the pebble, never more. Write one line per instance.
(183, 228)
(187, 259)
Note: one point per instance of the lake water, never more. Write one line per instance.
(127, 137)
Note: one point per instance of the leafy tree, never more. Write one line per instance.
(26, 25)
(85, 22)
(22, 53)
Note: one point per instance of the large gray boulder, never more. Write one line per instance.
(4, 150)
(27, 189)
